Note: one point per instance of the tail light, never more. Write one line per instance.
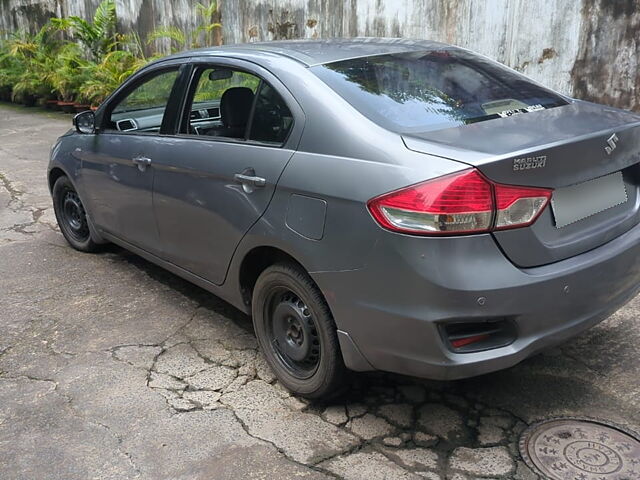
(464, 202)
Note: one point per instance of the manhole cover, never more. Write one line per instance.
(581, 449)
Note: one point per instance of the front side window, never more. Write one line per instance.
(428, 90)
(144, 107)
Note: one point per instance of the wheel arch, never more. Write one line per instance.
(257, 260)
(54, 174)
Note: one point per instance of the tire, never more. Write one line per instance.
(296, 332)
(71, 216)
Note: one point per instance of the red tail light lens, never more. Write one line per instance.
(464, 202)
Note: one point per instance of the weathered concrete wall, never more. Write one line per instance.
(584, 48)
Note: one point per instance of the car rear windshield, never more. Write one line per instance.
(428, 90)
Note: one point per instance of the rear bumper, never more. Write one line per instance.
(392, 308)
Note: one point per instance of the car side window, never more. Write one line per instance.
(221, 102)
(272, 119)
(143, 109)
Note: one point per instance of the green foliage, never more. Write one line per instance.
(98, 36)
(68, 74)
(179, 40)
(10, 70)
(73, 59)
(207, 33)
(34, 57)
(104, 77)
(153, 93)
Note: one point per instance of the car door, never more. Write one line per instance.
(216, 176)
(116, 171)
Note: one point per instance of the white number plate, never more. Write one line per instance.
(577, 202)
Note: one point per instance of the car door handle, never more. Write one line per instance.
(140, 160)
(250, 180)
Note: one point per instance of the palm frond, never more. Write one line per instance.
(207, 11)
(105, 18)
(174, 34)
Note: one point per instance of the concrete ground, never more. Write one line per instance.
(111, 368)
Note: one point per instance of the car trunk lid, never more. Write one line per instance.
(558, 148)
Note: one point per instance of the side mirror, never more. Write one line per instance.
(85, 122)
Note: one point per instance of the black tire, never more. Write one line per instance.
(296, 332)
(71, 216)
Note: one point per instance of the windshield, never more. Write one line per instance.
(428, 90)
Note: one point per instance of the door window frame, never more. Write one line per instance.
(169, 119)
(190, 85)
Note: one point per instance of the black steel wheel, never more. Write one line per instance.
(293, 334)
(74, 216)
(71, 216)
(296, 332)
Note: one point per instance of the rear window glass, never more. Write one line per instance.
(428, 90)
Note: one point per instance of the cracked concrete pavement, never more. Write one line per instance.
(111, 368)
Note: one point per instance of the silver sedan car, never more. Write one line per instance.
(374, 204)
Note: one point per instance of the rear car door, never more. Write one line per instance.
(216, 176)
(118, 176)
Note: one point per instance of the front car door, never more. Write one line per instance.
(117, 170)
(216, 176)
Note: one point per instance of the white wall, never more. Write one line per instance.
(584, 48)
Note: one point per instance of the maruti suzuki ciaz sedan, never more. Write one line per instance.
(374, 204)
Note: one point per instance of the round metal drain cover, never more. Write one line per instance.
(581, 449)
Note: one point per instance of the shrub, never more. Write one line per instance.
(73, 59)
(10, 70)
(104, 77)
(33, 57)
(99, 35)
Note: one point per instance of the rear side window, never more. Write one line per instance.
(272, 119)
(221, 102)
(428, 90)
(230, 103)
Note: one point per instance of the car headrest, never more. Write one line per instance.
(235, 106)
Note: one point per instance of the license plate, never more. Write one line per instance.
(577, 202)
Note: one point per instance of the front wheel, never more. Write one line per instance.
(71, 216)
(296, 332)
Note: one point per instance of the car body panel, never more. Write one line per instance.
(310, 53)
(573, 138)
(119, 194)
(201, 211)
(199, 206)
(393, 308)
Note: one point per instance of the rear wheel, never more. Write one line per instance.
(71, 216)
(296, 332)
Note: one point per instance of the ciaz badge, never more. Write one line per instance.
(529, 163)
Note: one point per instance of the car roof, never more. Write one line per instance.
(316, 52)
